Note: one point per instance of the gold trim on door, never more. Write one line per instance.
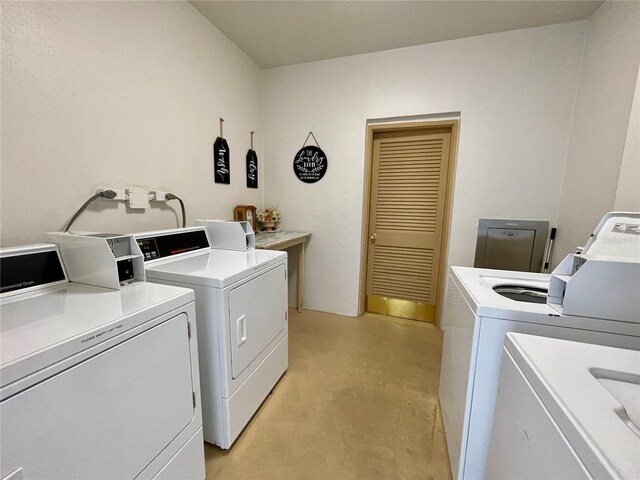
(401, 308)
(408, 187)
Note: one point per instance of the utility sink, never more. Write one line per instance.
(625, 387)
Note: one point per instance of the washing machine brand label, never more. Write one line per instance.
(182, 250)
(629, 228)
(15, 286)
(173, 244)
(29, 270)
(107, 331)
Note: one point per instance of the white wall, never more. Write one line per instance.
(628, 191)
(600, 124)
(119, 93)
(514, 92)
(129, 93)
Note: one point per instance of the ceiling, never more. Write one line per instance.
(276, 33)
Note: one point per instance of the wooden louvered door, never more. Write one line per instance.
(406, 221)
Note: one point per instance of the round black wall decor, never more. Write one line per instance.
(310, 164)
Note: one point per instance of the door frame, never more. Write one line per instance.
(373, 129)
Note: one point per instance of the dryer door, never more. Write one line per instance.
(106, 417)
(254, 324)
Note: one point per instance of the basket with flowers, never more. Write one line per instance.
(268, 218)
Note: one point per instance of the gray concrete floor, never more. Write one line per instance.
(360, 400)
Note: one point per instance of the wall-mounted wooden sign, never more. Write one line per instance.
(221, 159)
(310, 163)
(252, 166)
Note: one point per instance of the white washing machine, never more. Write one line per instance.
(95, 383)
(241, 304)
(566, 410)
(475, 323)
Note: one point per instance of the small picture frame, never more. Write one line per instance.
(247, 213)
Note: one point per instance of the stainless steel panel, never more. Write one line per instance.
(509, 249)
(516, 245)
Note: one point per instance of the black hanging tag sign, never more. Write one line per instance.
(221, 159)
(310, 163)
(252, 166)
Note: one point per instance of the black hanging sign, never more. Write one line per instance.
(221, 159)
(310, 163)
(252, 166)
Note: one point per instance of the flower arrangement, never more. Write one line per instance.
(269, 217)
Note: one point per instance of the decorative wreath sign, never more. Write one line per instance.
(310, 163)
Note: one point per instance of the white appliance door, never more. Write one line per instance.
(254, 324)
(106, 417)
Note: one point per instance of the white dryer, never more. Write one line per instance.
(476, 320)
(95, 383)
(241, 304)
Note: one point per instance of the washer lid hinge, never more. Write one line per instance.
(189, 329)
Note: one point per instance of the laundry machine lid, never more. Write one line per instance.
(477, 288)
(214, 268)
(571, 380)
(38, 329)
(185, 255)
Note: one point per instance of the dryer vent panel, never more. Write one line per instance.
(516, 245)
